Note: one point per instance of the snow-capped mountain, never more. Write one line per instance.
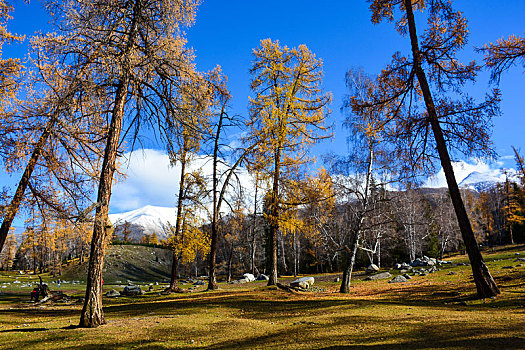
(485, 180)
(475, 176)
(144, 221)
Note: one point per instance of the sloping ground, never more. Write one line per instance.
(128, 262)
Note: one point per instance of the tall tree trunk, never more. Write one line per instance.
(12, 209)
(351, 253)
(254, 229)
(178, 223)
(92, 314)
(485, 285)
(274, 223)
(230, 260)
(212, 283)
(174, 271)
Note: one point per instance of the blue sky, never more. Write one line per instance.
(339, 32)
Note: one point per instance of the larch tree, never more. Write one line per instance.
(365, 160)
(10, 70)
(184, 142)
(45, 138)
(133, 53)
(222, 172)
(287, 115)
(415, 93)
(503, 54)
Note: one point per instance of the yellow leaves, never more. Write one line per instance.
(191, 239)
(289, 110)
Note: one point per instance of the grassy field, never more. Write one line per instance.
(433, 311)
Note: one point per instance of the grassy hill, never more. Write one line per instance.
(127, 262)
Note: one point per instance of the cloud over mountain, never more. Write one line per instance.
(152, 180)
(474, 175)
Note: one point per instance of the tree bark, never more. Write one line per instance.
(12, 209)
(350, 262)
(274, 224)
(174, 272)
(92, 314)
(485, 285)
(212, 282)
(178, 222)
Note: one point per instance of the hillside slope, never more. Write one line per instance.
(128, 262)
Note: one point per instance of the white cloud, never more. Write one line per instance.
(151, 180)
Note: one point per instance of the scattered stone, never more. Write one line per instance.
(520, 259)
(508, 267)
(451, 273)
(112, 294)
(407, 276)
(378, 276)
(199, 283)
(262, 277)
(249, 277)
(371, 269)
(336, 279)
(132, 291)
(416, 263)
(519, 265)
(397, 266)
(242, 280)
(443, 262)
(398, 279)
(303, 282)
(432, 269)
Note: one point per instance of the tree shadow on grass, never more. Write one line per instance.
(24, 330)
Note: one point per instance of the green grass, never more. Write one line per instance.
(434, 311)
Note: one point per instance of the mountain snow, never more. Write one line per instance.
(474, 175)
(146, 220)
(480, 181)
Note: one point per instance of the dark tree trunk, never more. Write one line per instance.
(485, 285)
(178, 223)
(12, 209)
(274, 223)
(351, 253)
(92, 314)
(254, 230)
(174, 272)
(212, 282)
(230, 260)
